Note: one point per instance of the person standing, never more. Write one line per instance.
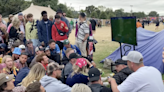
(44, 29)
(60, 13)
(10, 19)
(72, 24)
(93, 23)
(31, 30)
(157, 24)
(59, 30)
(139, 24)
(82, 34)
(2, 25)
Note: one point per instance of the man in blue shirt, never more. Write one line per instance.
(44, 29)
(68, 45)
(60, 13)
(55, 51)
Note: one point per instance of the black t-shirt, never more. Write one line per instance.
(99, 88)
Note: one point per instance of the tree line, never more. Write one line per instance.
(14, 6)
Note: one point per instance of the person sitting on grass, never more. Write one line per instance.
(51, 82)
(80, 88)
(96, 83)
(43, 59)
(80, 72)
(16, 53)
(36, 73)
(68, 45)
(22, 61)
(55, 51)
(23, 48)
(68, 68)
(123, 71)
(10, 67)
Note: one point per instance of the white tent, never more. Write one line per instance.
(36, 11)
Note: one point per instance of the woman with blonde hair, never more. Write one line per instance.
(80, 88)
(10, 66)
(35, 74)
(80, 72)
(14, 32)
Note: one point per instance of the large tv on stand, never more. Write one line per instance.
(124, 30)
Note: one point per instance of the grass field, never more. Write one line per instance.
(105, 46)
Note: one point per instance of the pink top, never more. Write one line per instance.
(8, 29)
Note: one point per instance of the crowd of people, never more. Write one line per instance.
(36, 56)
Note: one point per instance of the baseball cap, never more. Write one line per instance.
(22, 47)
(94, 74)
(81, 62)
(59, 11)
(74, 55)
(53, 66)
(5, 78)
(20, 14)
(133, 56)
(120, 62)
(28, 42)
(66, 42)
(47, 48)
(17, 51)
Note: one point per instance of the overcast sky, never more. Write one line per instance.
(138, 5)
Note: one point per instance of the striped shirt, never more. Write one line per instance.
(83, 29)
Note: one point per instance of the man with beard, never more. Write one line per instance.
(51, 81)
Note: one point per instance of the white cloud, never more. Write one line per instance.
(138, 5)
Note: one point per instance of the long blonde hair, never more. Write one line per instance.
(36, 73)
(80, 88)
(16, 23)
(77, 70)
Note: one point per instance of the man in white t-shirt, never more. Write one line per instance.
(144, 78)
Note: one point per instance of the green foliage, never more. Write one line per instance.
(89, 10)
(103, 15)
(94, 15)
(119, 12)
(62, 7)
(139, 14)
(69, 14)
(153, 14)
(12, 6)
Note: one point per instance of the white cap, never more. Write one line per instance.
(133, 56)
(22, 47)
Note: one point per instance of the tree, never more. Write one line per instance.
(103, 15)
(90, 9)
(52, 3)
(102, 8)
(153, 14)
(139, 14)
(110, 13)
(69, 14)
(119, 12)
(62, 7)
(12, 6)
(94, 15)
(98, 12)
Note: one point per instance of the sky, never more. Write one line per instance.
(138, 5)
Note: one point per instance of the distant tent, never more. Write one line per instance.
(150, 44)
(36, 11)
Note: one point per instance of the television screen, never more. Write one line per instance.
(124, 30)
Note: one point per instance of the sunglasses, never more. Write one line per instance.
(64, 15)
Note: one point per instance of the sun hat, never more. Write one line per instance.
(5, 78)
(17, 51)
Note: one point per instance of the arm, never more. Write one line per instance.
(27, 32)
(57, 49)
(53, 32)
(113, 84)
(68, 25)
(39, 32)
(86, 30)
(78, 50)
(65, 29)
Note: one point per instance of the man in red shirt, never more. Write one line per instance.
(59, 30)
(43, 59)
